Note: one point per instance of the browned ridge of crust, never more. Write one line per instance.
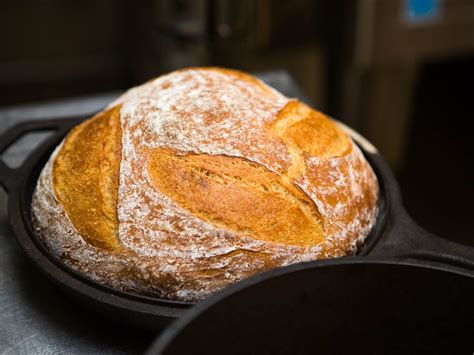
(236, 194)
(305, 131)
(86, 175)
(311, 131)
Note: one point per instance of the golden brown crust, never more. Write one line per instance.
(311, 132)
(85, 178)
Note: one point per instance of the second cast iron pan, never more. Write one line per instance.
(345, 306)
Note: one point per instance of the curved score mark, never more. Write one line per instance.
(237, 194)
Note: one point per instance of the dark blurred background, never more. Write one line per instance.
(398, 71)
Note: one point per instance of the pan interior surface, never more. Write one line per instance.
(339, 308)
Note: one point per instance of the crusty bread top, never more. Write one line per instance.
(200, 178)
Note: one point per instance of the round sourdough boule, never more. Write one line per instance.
(198, 179)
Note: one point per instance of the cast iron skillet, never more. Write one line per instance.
(394, 234)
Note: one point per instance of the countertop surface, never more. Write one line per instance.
(35, 316)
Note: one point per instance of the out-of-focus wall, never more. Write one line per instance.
(53, 48)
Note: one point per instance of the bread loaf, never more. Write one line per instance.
(198, 179)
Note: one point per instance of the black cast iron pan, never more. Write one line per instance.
(346, 306)
(394, 235)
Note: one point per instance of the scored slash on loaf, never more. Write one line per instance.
(198, 179)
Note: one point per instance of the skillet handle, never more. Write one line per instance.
(412, 241)
(403, 237)
(10, 177)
